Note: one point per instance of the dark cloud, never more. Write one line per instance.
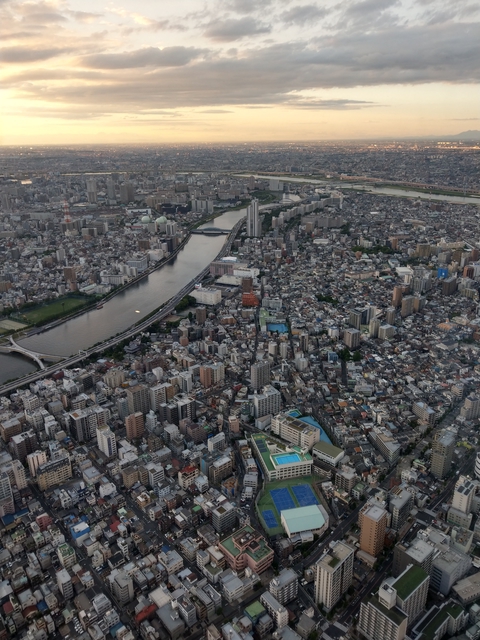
(22, 55)
(303, 14)
(148, 57)
(235, 29)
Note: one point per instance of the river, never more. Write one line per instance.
(121, 312)
(378, 191)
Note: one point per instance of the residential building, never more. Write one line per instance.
(106, 441)
(65, 585)
(400, 504)
(122, 587)
(7, 504)
(266, 403)
(295, 431)
(276, 610)
(135, 425)
(334, 574)
(351, 338)
(53, 473)
(223, 517)
(34, 460)
(442, 452)
(138, 399)
(411, 587)
(186, 477)
(254, 227)
(260, 374)
(380, 618)
(246, 547)
(373, 524)
(284, 587)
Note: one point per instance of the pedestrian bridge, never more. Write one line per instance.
(38, 358)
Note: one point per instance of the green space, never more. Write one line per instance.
(410, 581)
(54, 310)
(266, 501)
(264, 196)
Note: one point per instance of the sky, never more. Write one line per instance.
(200, 71)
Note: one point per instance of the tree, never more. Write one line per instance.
(357, 356)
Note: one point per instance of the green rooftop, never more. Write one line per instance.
(255, 610)
(435, 623)
(328, 449)
(410, 580)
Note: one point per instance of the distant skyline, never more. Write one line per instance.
(237, 70)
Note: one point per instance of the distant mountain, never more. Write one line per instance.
(473, 134)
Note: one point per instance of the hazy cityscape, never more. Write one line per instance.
(239, 391)
(239, 320)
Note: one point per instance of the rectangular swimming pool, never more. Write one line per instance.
(286, 458)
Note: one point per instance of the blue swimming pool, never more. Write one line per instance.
(286, 458)
(280, 327)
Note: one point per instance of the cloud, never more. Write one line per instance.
(86, 17)
(22, 55)
(216, 111)
(235, 29)
(148, 57)
(247, 6)
(301, 15)
(339, 104)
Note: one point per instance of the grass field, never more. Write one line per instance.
(266, 501)
(55, 309)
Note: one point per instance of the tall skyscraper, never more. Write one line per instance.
(351, 338)
(92, 190)
(380, 618)
(373, 524)
(333, 574)
(442, 452)
(253, 220)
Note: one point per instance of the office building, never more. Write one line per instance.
(351, 338)
(380, 618)
(284, 587)
(260, 374)
(138, 399)
(420, 553)
(448, 567)
(53, 473)
(334, 574)
(442, 452)
(106, 441)
(207, 296)
(373, 524)
(135, 425)
(463, 495)
(254, 229)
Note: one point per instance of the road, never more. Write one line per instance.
(130, 333)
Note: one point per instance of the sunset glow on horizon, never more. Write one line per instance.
(236, 70)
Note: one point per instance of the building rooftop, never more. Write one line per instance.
(303, 518)
(409, 580)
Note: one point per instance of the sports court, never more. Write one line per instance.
(270, 519)
(282, 499)
(304, 495)
(282, 496)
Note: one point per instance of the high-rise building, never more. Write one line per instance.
(34, 460)
(411, 587)
(23, 443)
(138, 398)
(442, 452)
(135, 425)
(333, 574)
(253, 220)
(373, 524)
(200, 315)
(400, 504)
(260, 374)
(122, 587)
(267, 402)
(91, 190)
(106, 441)
(380, 618)
(7, 504)
(16, 473)
(355, 318)
(224, 517)
(397, 296)
(373, 327)
(407, 306)
(284, 587)
(65, 584)
(351, 338)
(471, 407)
(54, 472)
(127, 192)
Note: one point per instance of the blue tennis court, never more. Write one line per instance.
(304, 495)
(270, 519)
(282, 499)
